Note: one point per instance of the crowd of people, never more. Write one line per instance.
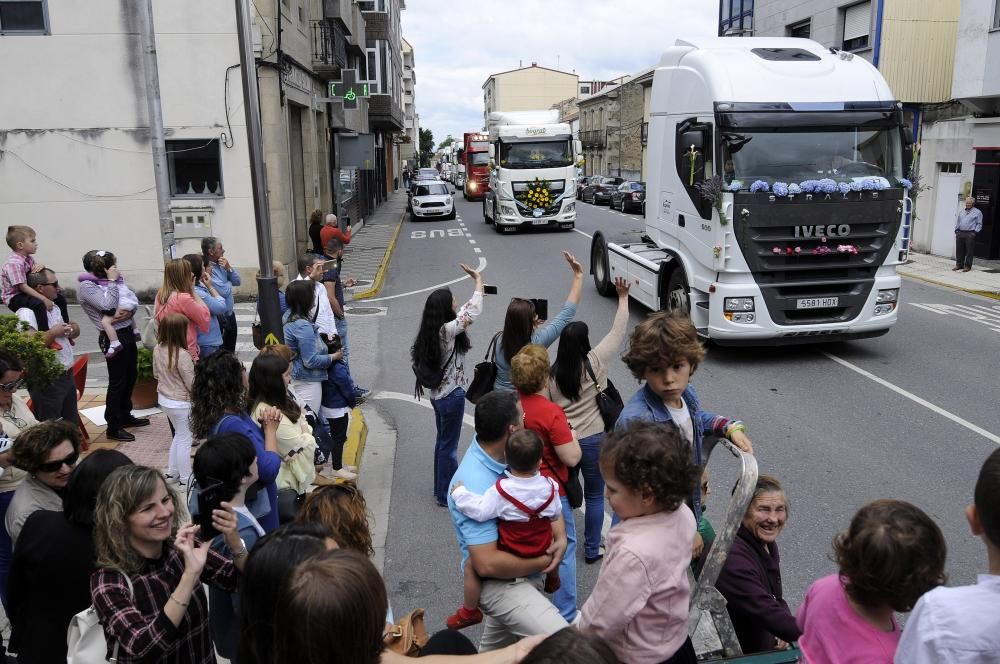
(234, 552)
(543, 425)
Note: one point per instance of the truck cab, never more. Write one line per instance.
(776, 205)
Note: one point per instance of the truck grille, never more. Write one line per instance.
(867, 220)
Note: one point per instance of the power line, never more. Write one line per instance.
(70, 187)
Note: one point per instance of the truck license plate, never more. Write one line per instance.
(817, 302)
(539, 222)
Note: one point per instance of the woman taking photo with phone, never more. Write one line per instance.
(440, 346)
(148, 589)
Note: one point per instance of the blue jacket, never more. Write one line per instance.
(311, 359)
(647, 406)
(223, 616)
(338, 390)
(268, 465)
(216, 307)
(546, 335)
(224, 282)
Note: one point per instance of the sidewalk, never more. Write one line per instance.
(984, 279)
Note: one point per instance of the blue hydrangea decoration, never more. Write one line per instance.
(735, 185)
(844, 188)
(794, 189)
(780, 189)
(868, 184)
(827, 186)
(759, 185)
(810, 186)
(855, 185)
(906, 184)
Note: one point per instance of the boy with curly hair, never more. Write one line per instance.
(639, 605)
(664, 351)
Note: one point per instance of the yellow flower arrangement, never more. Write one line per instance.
(538, 194)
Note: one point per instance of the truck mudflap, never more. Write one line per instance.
(709, 626)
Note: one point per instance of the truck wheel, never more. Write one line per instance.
(678, 296)
(600, 267)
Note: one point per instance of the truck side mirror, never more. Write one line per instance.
(578, 146)
(493, 151)
(907, 136)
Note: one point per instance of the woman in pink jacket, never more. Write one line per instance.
(177, 296)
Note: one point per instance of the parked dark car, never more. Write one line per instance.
(599, 189)
(629, 196)
(581, 183)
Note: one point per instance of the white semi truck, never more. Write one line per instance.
(533, 171)
(777, 207)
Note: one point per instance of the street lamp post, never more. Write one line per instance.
(267, 283)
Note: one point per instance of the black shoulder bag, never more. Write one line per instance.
(571, 487)
(485, 373)
(609, 401)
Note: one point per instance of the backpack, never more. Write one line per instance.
(429, 376)
(85, 639)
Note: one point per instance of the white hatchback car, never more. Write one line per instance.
(432, 199)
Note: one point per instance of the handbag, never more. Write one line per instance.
(150, 329)
(408, 636)
(609, 401)
(257, 330)
(85, 640)
(485, 373)
(571, 487)
(289, 502)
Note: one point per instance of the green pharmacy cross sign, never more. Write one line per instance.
(348, 89)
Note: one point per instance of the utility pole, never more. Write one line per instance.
(267, 284)
(161, 173)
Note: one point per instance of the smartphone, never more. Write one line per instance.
(490, 290)
(541, 308)
(209, 499)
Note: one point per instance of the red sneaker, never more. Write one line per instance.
(464, 618)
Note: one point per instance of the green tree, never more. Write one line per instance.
(446, 142)
(426, 147)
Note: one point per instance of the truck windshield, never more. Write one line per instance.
(795, 156)
(479, 158)
(536, 154)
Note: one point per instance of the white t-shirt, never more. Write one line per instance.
(682, 418)
(532, 491)
(325, 320)
(65, 354)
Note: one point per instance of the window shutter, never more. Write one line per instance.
(857, 20)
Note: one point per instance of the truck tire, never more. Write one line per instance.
(601, 268)
(678, 295)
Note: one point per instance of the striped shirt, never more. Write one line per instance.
(141, 626)
(15, 272)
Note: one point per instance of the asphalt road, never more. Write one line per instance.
(909, 416)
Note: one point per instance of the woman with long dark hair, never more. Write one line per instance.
(219, 406)
(574, 388)
(312, 359)
(442, 343)
(521, 325)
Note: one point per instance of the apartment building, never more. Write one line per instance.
(411, 130)
(527, 89)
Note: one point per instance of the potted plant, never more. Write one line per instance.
(144, 392)
(41, 365)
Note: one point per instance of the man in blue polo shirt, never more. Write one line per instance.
(511, 596)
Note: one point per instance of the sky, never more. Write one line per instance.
(457, 44)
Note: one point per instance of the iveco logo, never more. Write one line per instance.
(535, 131)
(833, 230)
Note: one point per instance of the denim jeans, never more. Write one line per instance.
(342, 332)
(565, 597)
(593, 493)
(448, 412)
(5, 546)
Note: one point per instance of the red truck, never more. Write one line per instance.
(477, 171)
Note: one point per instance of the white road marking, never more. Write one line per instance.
(987, 315)
(471, 241)
(480, 268)
(477, 250)
(426, 403)
(918, 400)
(586, 235)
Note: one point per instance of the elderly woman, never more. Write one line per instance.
(148, 590)
(219, 397)
(14, 418)
(47, 452)
(53, 561)
(751, 578)
(560, 452)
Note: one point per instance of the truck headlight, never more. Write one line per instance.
(888, 295)
(472, 186)
(570, 207)
(507, 210)
(738, 304)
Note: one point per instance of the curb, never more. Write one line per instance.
(383, 266)
(943, 284)
(357, 436)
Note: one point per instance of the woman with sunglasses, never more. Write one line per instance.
(15, 417)
(521, 325)
(47, 452)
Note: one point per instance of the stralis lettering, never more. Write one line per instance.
(833, 230)
(535, 131)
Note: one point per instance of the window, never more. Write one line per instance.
(801, 30)
(735, 17)
(24, 17)
(372, 71)
(584, 89)
(195, 168)
(857, 24)
(949, 167)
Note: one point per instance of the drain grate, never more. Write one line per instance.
(364, 311)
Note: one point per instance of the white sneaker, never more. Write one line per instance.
(342, 474)
(353, 469)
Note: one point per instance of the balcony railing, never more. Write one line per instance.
(595, 138)
(329, 48)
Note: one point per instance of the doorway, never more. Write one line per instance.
(949, 191)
